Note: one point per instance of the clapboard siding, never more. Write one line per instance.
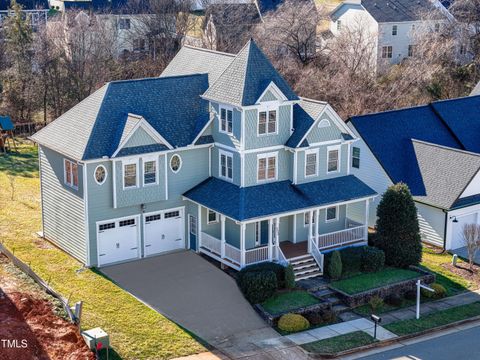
(284, 167)
(62, 207)
(325, 133)
(140, 138)
(432, 224)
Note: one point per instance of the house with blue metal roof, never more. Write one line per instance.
(217, 155)
(435, 151)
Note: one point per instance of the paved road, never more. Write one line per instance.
(463, 344)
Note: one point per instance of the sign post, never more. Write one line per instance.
(419, 287)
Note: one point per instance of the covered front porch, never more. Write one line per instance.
(281, 238)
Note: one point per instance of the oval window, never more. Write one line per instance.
(100, 174)
(175, 163)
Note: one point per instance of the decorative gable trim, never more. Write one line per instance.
(275, 91)
(148, 129)
(336, 120)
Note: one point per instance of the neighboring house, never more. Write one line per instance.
(434, 149)
(476, 90)
(126, 26)
(218, 155)
(35, 10)
(391, 27)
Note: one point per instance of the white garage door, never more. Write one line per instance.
(457, 233)
(117, 240)
(164, 231)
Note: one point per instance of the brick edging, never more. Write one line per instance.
(384, 343)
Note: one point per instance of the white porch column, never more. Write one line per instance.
(277, 236)
(367, 209)
(317, 225)
(242, 244)
(199, 228)
(222, 236)
(310, 230)
(270, 240)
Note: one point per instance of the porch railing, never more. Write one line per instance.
(282, 259)
(232, 253)
(341, 237)
(317, 255)
(211, 243)
(256, 255)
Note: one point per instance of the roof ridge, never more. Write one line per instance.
(210, 51)
(446, 147)
(154, 78)
(392, 111)
(313, 100)
(461, 98)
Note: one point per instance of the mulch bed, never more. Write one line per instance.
(463, 270)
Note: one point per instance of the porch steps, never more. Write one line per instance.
(305, 267)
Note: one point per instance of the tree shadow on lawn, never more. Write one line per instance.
(22, 163)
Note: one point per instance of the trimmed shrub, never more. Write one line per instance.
(289, 277)
(398, 232)
(411, 295)
(335, 266)
(258, 286)
(440, 292)
(394, 300)
(351, 260)
(376, 303)
(278, 269)
(314, 317)
(373, 259)
(293, 323)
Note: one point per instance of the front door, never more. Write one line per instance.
(264, 232)
(192, 231)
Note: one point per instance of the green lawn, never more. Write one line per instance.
(136, 331)
(367, 281)
(434, 262)
(339, 343)
(287, 301)
(433, 320)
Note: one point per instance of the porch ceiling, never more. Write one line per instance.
(277, 197)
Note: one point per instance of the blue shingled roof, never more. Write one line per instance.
(302, 122)
(389, 136)
(26, 4)
(262, 200)
(466, 201)
(171, 105)
(6, 123)
(145, 149)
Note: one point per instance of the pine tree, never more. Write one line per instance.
(398, 232)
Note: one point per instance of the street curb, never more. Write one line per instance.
(384, 343)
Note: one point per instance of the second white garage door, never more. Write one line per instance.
(164, 231)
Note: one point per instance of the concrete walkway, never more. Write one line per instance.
(430, 307)
(342, 328)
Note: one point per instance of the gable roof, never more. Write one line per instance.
(304, 115)
(399, 10)
(245, 79)
(191, 60)
(445, 173)
(262, 200)
(449, 124)
(95, 127)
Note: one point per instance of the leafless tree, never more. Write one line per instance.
(471, 240)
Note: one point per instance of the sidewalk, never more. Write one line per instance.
(429, 307)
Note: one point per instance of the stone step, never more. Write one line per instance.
(339, 308)
(332, 300)
(323, 293)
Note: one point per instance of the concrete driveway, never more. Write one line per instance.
(190, 291)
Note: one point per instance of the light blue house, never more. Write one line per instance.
(217, 155)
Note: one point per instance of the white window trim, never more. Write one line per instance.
(128, 162)
(266, 107)
(226, 108)
(306, 216)
(355, 157)
(170, 163)
(308, 152)
(95, 172)
(70, 184)
(336, 214)
(266, 156)
(324, 123)
(339, 161)
(208, 217)
(148, 159)
(258, 233)
(227, 154)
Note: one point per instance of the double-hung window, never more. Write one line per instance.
(130, 174)
(356, 157)
(226, 165)
(311, 161)
(306, 220)
(411, 50)
(226, 120)
(124, 24)
(149, 172)
(267, 122)
(331, 214)
(267, 167)
(333, 159)
(394, 30)
(71, 173)
(387, 52)
(212, 217)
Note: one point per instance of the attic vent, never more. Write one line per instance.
(324, 123)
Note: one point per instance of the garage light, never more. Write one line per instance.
(454, 219)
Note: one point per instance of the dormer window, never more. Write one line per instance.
(267, 122)
(226, 120)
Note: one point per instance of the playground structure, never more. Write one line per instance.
(7, 139)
